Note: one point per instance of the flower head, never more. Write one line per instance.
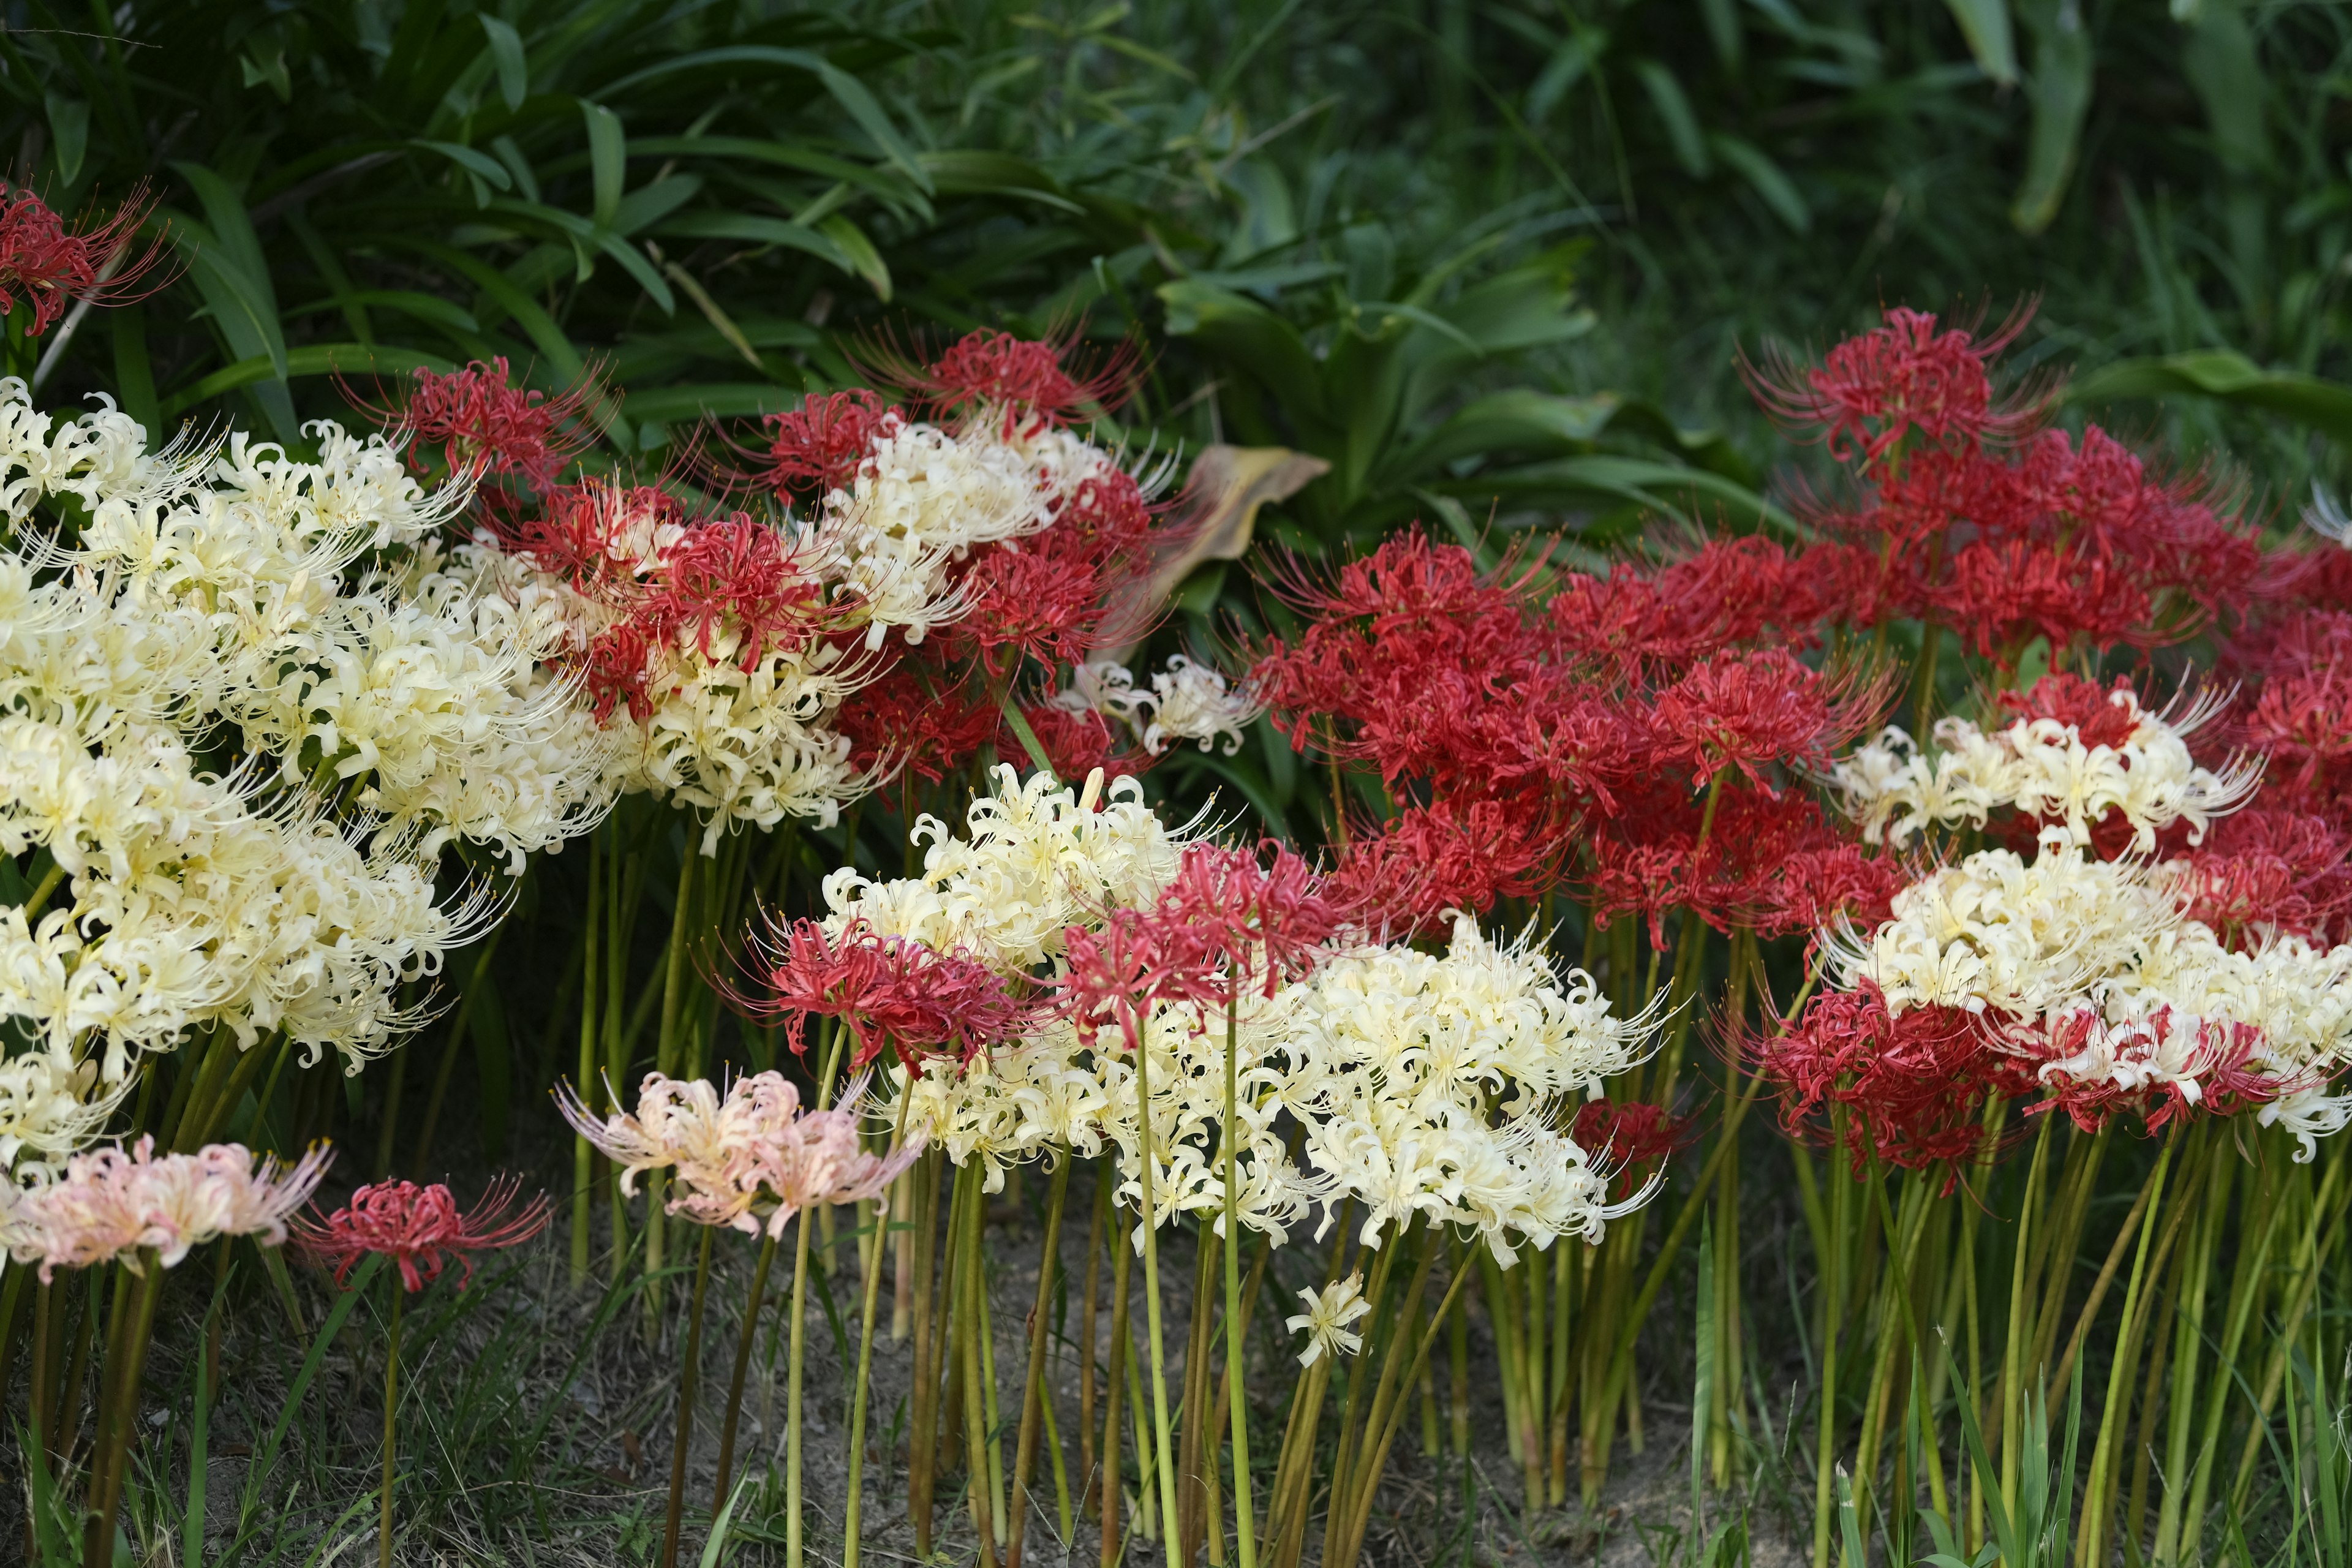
(888, 990)
(818, 446)
(1324, 1322)
(420, 1228)
(478, 416)
(1873, 390)
(113, 1202)
(46, 264)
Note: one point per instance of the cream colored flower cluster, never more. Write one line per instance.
(245, 699)
(2091, 967)
(1410, 1083)
(1038, 858)
(1186, 702)
(2043, 769)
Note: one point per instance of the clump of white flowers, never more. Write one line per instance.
(1410, 1083)
(1187, 702)
(2044, 768)
(1038, 858)
(244, 701)
(2091, 968)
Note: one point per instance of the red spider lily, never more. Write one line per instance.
(1753, 710)
(1025, 383)
(2170, 1066)
(2302, 718)
(615, 670)
(732, 573)
(1228, 920)
(1727, 592)
(1428, 859)
(1629, 1139)
(420, 1228)
(1067, 592)
(589, 533)
(476, 416)
(886, 990)
(1871, 391)
(1776, 865)
(922, 717)
(1913, 1086)
(2090, 709)
(47, 264)
(818, 446)
(2268, 868)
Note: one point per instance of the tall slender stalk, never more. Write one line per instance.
(126, 1363)
(1244, 1509)
(800, 1333)
(850, 1511)
(1163, 1449)
(391, 1426)
(744, 1341)
(666, 1053)
(689, 1378)
(584, 1156)
(2090, 1541)
(1033, 1385)
(1115, 1375)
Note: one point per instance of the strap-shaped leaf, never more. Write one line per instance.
(2231, 377)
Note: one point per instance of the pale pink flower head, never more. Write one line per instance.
(420, 1228)
(817, 1158)
(113, 1202)
(719, 1145)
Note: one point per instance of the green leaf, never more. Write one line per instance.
(311, 359)
(1254, 337)
(565, 362)
(1763, 176)
(863, 258)
(713, 400)
(2060, 93)
(1674, 109)
(608, 159)
(514, 66)
(69, 129)
(2324, 406)
(479, 164)
(225, 258)
(757, 229)
(847, 89)
(1984, 25)
(972, 171)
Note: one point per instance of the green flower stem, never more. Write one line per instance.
(1237, 1373)
(1163, 1447)
(686, 1380)
(744, 1344)
(118, 1407)
(391, 1427)
(792, 1538)
(1034, 1391)
(584, 1156)
(850, 1512)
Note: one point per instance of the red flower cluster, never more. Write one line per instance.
(1912, 1088)
(1618, 733)
(2214, 1056)
(1973, 519)
(478, 418)
(1045, 601)
(420, 1228)
(888, 992)
(1231, 920)
(670, 581)
(1629, 1140)
(44, 264)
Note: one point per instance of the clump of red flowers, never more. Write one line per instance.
(1629, 1140)
(477, 418)
(420, 1229)
(47, 265)
(887, 990)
